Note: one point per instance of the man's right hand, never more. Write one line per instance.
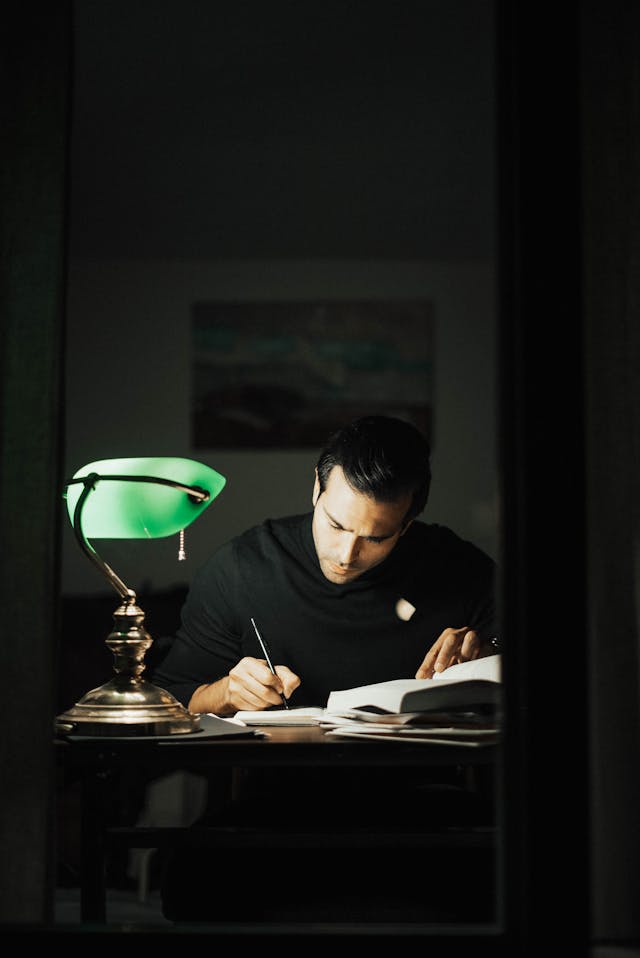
(249, 685)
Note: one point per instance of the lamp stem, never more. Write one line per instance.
(126, 594)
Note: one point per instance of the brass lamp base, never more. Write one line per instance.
(127, 704)
(138, 709)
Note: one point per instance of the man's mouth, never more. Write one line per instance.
(340, 569)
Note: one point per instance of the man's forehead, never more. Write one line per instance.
(360, 513)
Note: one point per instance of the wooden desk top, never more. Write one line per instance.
(279, 746)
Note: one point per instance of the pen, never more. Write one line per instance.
(269, 663)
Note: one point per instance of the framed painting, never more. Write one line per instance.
(287, 374)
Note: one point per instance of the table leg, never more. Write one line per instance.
(93, 850)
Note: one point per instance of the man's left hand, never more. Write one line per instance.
(453, 646)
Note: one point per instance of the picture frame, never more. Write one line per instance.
(288, 373)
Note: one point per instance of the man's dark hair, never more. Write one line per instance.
(381, 457)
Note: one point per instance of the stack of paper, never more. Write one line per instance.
(466, 729)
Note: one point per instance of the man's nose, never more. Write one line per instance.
(349, 549)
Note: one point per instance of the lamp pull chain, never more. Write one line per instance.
(182, 555)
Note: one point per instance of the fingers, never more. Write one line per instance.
(290, 681)
(453, 646)
(252, 684)
(470, 647)
(427, 667)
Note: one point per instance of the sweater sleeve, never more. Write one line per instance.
(207, 643)
(481, 599)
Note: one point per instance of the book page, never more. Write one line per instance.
(488, 667)
(387, 696)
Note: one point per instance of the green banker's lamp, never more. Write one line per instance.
(144, 498)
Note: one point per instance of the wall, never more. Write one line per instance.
(262, 151)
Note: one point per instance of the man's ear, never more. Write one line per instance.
(316, 490)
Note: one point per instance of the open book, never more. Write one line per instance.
(467, 686)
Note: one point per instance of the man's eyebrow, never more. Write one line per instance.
(340, 526)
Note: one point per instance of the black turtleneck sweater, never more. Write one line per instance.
(332, 636)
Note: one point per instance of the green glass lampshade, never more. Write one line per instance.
(137, 509)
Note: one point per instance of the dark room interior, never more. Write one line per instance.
(482, 158)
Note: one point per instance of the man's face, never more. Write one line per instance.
(352, 532)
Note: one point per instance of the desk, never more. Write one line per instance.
(98, 762)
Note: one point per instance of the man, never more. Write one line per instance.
(356, 592)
